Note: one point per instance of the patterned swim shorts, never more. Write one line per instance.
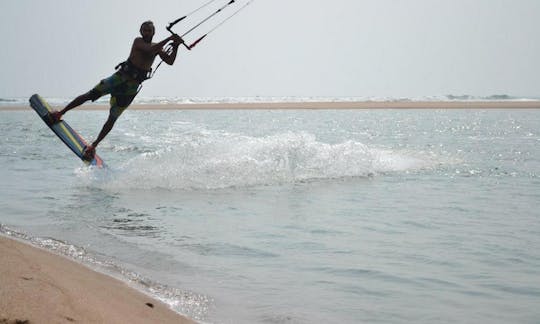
(122, 90)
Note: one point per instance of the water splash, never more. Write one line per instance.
(215, 160)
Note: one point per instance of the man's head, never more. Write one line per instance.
(147, 31)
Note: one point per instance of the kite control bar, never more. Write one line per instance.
(171, 25)
(190, 46)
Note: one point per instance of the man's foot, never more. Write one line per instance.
(54, 117)
(89, 152)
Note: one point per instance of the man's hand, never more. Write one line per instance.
(54, 117)
(177, 39)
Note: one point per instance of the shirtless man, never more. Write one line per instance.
(124, 84)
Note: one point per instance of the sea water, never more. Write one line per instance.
(293, 216)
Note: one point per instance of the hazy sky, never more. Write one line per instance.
(397, 48)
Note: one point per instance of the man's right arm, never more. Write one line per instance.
(143, 46)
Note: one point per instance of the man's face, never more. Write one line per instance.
(147, 32)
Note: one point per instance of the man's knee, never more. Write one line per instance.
(93, 95)
(124, 101)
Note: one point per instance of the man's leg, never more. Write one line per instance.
(119, 103)
(57, 115)
(78, 101)
(90, 150)
(105, 130)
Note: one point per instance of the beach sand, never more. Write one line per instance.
(37, 286)
(323, 105)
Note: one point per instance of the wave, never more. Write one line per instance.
(23, 101)
(13, 101)
(261, 99)
(216, 161)
(496, 97)
(279, 99)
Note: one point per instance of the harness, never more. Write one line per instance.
(129, 69)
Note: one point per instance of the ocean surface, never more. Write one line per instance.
(271, 216)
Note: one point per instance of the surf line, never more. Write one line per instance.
(198, 40)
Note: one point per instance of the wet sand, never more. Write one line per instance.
(37, 286)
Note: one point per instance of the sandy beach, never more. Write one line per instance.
(37, 286)
(323, 105)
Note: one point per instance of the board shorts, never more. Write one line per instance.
(122, 90)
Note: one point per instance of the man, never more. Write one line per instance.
(124, 84)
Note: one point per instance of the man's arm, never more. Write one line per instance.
(143, 46)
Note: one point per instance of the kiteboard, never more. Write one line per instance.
(70, 137)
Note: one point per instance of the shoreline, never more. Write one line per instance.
(39, 286)
(320, 105)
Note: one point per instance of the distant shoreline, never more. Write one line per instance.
(320, 105)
